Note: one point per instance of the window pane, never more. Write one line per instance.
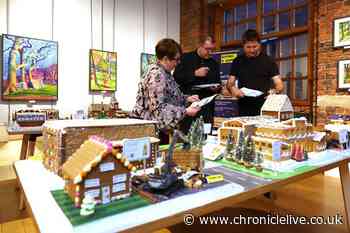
(268, 24)
(283, 20)
(239, 30)
(251, 8)
(301, 87)
(269, 5)
(283, 4)
(287, 88)
(285, 48)
(301, 44)
(228, 34)
(272, 48)
(286, 68)
(300, 67)
(300, 17)
(240, 13)
(228, 17)
(224, 38)
(252, 25)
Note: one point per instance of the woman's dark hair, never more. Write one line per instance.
(167, 47)
(250, 35)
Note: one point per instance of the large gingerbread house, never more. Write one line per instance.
(62, 138)
(99, 170)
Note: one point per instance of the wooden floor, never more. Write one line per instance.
(317, 196)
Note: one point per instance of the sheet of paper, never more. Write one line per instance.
(251, 92)
(214, 85)
(203, 101)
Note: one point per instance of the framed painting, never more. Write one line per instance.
(103, 70)
(146, 60)
(29, 69)
(341, 32)
(343, 74)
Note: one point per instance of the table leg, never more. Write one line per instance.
(31, 145)
(345, 182)
(21, 201)
(24, 149)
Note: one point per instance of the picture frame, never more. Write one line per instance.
(29, 69)
(341, 32)
(102, 71)
(343, 78)
(147, 59)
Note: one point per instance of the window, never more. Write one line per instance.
(282, 15)
(290, 54)
(239, 19)
(283, 25)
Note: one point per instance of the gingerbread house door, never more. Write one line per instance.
(106, 194)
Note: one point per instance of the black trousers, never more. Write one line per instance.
(250, 106)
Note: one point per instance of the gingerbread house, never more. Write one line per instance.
(278, 106)
(99, 170)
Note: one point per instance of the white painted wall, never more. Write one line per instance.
(127, 27)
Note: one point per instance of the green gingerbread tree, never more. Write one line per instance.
(248, 152)
(239, 148)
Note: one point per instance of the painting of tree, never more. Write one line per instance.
(344, 31)
(29, 68)
(341, 32)
(346, 73)
(343, 74)
(146, 61)
(103, 70)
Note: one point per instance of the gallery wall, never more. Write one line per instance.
(127, 27)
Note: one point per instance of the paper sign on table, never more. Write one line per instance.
(343, 136)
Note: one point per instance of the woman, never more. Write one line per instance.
(159, 97)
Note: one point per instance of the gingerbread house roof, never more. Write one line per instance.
(277, 103)
(88, 156)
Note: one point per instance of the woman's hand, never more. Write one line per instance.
(192, 111)
(193, 98)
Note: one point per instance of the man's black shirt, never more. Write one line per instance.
(254, 73)
(185, 77)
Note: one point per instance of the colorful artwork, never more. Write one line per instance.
(29, 68)
(342, 32)
(344, 74)
(103, 70)
(146, 61)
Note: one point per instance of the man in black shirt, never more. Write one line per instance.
(255, 70)
(198, 68)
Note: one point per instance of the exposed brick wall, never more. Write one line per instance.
(327, 56)
(193, 22)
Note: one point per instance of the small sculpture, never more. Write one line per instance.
(88, 206)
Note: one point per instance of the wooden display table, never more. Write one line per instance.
(37, 182)
(29, 138)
